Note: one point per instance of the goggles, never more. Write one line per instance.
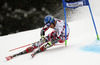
(48, 24)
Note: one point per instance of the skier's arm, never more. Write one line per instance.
(45, 28)
(60, 27)
(55, 40)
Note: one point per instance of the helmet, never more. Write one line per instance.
(48, 20)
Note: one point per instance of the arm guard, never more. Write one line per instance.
(45, 28)
(42, 32)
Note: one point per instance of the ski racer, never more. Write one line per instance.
(58, 35)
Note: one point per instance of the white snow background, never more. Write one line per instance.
(79, 51)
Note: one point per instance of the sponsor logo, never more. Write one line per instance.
(75, 4)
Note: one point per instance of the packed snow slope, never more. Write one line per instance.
(82, 34)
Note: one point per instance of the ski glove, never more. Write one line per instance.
(49, 44)
(42, 38)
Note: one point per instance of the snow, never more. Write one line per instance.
(82, 35)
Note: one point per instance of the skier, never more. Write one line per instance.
(58, 35)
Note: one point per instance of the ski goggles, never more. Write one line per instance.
(48, 24)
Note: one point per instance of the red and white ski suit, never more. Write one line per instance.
(59, 31)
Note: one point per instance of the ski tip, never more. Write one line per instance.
(8, 58)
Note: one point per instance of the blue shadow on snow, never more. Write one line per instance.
(92, 47)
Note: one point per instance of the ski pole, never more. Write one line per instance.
(28, 45)
(58, 44)
(23, 46)
(20, 47)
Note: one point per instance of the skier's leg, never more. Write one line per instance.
(27, 50)
(48, 39)
(51, 36)
(62, 38)
(20, 53)
(30, 49)
(43, 48)
(34, 46)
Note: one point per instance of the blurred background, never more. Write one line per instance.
(22, 15)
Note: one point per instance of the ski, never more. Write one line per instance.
(32, 55)
(29, 49)
(15, 55)
(9, 58)
(40, 49)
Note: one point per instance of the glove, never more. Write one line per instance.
(49, 44)
(42, 38)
